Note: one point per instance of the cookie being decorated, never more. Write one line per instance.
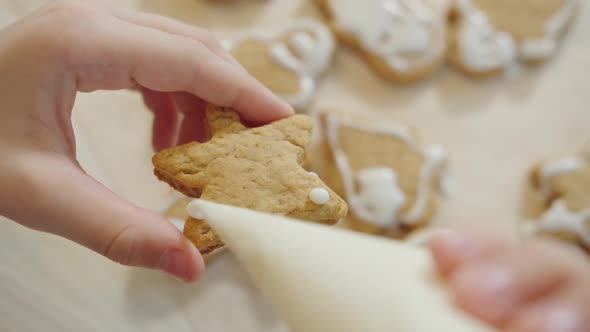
(564, 188)
(388, 179)
(489, 36)
(288, 61)
(403, 40)
(256, 168)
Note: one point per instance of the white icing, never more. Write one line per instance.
(380, 199)
(196, 213)
(319, 196)
(312, 48)
(314, 174)
(559, 218)
(482, 48)
(178, 223)
(542, 48)
(404, 33)
(435, 160)
(560, 167)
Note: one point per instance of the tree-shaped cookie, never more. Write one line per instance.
(256, 168)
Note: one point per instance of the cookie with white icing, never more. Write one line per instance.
(487, 37)
(389, 180)
(403, 40)
(564, 208)
(289, 61)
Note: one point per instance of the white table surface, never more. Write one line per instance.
(494, 131)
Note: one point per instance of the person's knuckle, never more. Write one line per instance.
(121, 246)
(66, 9)
(209, 40)
(64, 26)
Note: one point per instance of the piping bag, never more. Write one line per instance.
(322, 279)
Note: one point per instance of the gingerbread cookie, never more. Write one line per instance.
(256, 168)
(403, 40)
(389, 181)
(488, 36)
(288, 61)
(564, 208)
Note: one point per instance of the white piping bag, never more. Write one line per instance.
(322, 279)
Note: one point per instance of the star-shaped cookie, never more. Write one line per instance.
(257, 168)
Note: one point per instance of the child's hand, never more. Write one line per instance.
(539, 286)
(64, 48)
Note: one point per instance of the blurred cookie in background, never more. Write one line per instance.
(562, 196)
(389, 180)
(488, 37)
(402, 40)
(288, 60)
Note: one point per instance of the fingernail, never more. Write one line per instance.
(176, 264)
(559, 318)
(488, 290)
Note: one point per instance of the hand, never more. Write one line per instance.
(45, 59)
(539, 286)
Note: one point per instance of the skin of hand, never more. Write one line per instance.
(536, 286)
(66, 48)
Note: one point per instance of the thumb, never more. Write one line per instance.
(71, 204)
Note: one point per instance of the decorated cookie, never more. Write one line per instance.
(564, 209)
(287, 61)
(389, 181)
(403, 40)
(489, 36)
(256, 168)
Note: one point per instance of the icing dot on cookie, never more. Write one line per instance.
(194, 211)
(314, 174)
(319, 196)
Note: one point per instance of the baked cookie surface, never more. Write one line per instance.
(289, 61)
(403, 40)
(256, 168)
(489, 36)
(563, 209)
(389, 181)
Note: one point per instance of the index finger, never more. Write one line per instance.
(167, 62)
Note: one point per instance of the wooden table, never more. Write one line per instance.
(493, 130)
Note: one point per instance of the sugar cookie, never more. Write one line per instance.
(288, 61)
(256, 168)
(489, 36)
(564, 186)
(403, 40)
(389, 181)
